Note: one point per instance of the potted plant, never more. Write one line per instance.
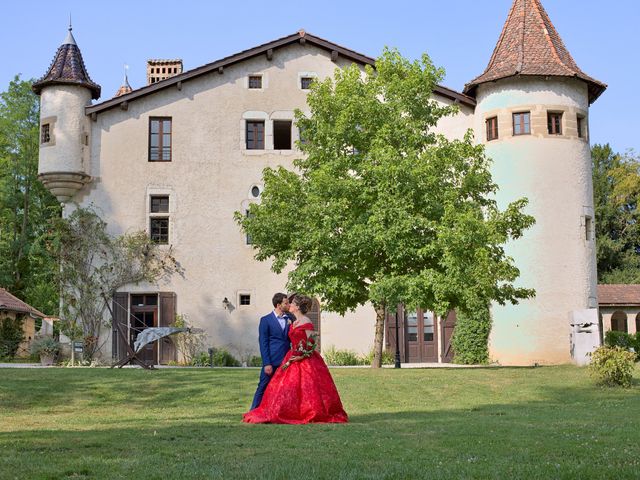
(47, 347)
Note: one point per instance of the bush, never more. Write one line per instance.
(221, 358)
(612, 366)
(470, 340)
(11, 336)
(45, 346)
(341, 358)
(623, 340)
(388, 358)
(254, 361)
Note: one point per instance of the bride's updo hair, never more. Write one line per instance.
(303, 302)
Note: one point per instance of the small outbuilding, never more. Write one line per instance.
(619, 307)
(12, 307)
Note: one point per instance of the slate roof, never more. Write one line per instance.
(13, 304)
(68, 68)
(530, 45)
(619, 294)
(301, 37)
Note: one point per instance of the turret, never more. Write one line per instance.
(532, 115)
(65, 90)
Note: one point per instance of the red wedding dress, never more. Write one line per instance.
(303, 393)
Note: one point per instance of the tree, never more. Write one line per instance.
(26, 269)
(616, 190)
(382, 209)
(94, 265)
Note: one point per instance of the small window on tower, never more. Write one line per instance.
(554, 123)
(522, 123)
(245, 299)
(45, 133)
(581, 125)
(587, 228)
(492, 128)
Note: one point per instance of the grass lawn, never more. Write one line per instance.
(506, 423)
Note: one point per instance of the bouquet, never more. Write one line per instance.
(304, 350)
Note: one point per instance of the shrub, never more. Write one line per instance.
(612, 366)
(45, 346)
(388, 358)
(623, 340)
(221, 358)
(341, 358)
(470, 340)
(254, 361)
(11, 335)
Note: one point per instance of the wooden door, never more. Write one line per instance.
(448, 325)
(168, 351)
(421, 336)
(144, 314)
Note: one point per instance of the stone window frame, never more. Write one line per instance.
(263, 85)
(51, 121)
(169, 214)
(250, 294)
(301, 75)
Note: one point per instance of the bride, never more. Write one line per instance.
(301, 390)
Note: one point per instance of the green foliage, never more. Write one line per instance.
(341, 358)
(94, 265)
(189, 343)
(254, 361)
(221, 358)
(623, 340)
(382, 209)
(612, 366)
(471, 336)
(26, 269)
(616, 189)
(11, 335)
(45, 346)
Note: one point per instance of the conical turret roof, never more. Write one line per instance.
(530, 45)
(68, 68)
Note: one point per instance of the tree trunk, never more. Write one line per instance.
(379, 337)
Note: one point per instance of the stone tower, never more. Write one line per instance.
(533, 115)
(65, 90)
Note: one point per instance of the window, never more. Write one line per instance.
(245, 299)
(160, 204)
(160, 139)
(492, 128)
(255, 191)
(619, 321)
(581, 126)
(282, 134)
(160, 230)
(255, 81)
(305, 82)
(428, 326)
(522, 123)
(255, 135)
(554, 123)
(587, 228)
(45, 133)
(249, 240)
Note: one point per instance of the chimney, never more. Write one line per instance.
(158, 70)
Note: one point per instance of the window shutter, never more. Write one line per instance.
(167, 319)
(120, 316)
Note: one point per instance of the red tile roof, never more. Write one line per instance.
(530, 45)
(68, 68)
(618, 294)
(13, 304)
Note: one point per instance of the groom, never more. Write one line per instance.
(274, 342)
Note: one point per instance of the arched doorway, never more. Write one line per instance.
(619, 321)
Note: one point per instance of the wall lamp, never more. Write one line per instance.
(226, 303)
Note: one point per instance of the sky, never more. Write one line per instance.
(459, 35)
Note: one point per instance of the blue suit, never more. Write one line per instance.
(274, 345)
